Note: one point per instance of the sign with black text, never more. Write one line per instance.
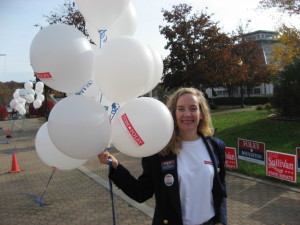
(252, 151)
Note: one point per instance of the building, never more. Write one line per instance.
(266, 40)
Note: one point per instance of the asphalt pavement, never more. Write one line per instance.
(82, 196)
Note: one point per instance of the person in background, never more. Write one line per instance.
(188, 176)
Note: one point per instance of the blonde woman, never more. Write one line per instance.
(188, 176)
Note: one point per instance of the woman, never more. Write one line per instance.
(188, 175)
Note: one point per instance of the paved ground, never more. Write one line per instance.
(81, 196)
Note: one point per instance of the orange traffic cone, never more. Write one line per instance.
(8, 135)
(14, 164)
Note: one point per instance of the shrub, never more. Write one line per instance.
(3, 112)
(268, 106)
(287, 90)
(259, 107)
(237, 100)
(212, 105)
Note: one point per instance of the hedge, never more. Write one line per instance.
(237, 100)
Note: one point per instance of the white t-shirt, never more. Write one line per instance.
(195, 174)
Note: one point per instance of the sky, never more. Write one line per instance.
(18, 17)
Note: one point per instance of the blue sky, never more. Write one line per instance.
(19, 16)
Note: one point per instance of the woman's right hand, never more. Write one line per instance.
(105, 155)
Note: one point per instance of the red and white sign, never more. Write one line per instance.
(45, 75)
(252, 151)
(230, 158)
(131, 130)
(298, 158)
(281, 166)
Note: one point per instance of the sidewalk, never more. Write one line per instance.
(81, 196)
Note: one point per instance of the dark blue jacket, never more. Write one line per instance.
(153, 181)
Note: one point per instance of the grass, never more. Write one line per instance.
(279, 136)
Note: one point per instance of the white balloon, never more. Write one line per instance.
(22, 111)
(62, 57)
(39, 85)
(13, 103)
(19, 107)
(29, 98)
(142, 127)
(31, 92)
(93, 33)
(50, 155)
(28, 85)
(40, 97)
(90, 89)
(79, 127)
(125, 25)
(123, 68)
(101, 13)
(39, 91)
(16, 94)
(21, 100)
(37, 103)
(105, 102)
(23, 92)
(158, 70)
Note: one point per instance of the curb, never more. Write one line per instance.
(297, 190)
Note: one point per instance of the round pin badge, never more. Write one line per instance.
(169, 180)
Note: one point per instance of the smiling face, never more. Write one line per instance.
(188, 116)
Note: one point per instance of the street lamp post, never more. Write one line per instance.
(240, 63)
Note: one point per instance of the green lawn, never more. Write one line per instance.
(279, 136)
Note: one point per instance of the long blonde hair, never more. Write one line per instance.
(205, 125)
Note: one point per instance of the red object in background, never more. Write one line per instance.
(8, 134)
(281, 166)
(230, 158)
(3, 112)
(14, 164)
(40, 112)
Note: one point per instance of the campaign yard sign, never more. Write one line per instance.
(298, 158)
(252, 151)
(230, 158)
(281, 166)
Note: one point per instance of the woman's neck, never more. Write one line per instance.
(189, 136)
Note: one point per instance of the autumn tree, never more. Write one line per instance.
(289, 6)
(287, 47)
(200, 55)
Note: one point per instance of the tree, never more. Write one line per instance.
(199, 53)
(254, 70)
(289, 6)
(68, 14)
(287, 48)
(287, 90)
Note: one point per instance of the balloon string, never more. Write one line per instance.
(19, 135)
(101, 97)
(41, 201)
(114, 108)
(111, 194)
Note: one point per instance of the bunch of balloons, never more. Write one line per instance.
(28, 95)
(115, 71)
